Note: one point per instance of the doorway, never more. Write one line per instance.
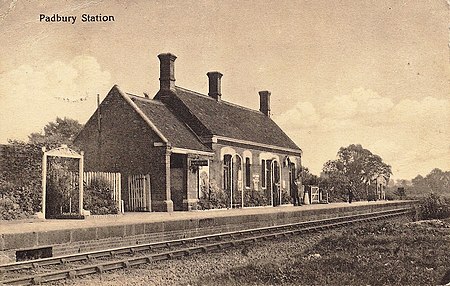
(233, 180)
(178, 182)
(275, 185)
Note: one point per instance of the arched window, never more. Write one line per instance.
(276, 173)
(263, 174)
(227, 172)
(247, 172)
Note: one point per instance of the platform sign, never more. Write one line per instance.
(198, 163)
(255, 182)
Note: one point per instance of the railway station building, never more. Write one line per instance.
(190, 144)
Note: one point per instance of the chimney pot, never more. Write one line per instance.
(167, 71)
(215, 85)
(264, 102)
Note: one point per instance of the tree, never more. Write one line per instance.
(308, 178)
(62, 131)
(334, 181)
(21, 171)
(353, 170)
(437, 181)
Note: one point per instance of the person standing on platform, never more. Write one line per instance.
(350, 196)
(296, 189)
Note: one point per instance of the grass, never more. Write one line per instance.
(380, 254)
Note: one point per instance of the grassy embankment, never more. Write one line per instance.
(381, 254)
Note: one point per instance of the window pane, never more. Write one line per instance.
(263, 173)
(247, 172)
(226, 172)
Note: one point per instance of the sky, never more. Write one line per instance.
(375, 73)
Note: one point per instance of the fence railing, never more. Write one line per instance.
(112, 180)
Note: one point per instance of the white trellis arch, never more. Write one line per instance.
(273, 158)
(234, 158)
(64, 152)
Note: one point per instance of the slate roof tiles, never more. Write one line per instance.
(176, 132)
(229, 120)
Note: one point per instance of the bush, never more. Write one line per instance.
(434, 207)
(255, 198)
(212, 197)
(285, 197)
(98, 198)
(18, 202)
(9, 209)
(20, 180)
(337, 195)
(391, 195)
(62, 191)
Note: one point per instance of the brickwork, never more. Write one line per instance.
(125, 143)
(103, 237)
(216, 168)
(133, 135)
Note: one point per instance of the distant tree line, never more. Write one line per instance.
(353, 171)
(436, 182)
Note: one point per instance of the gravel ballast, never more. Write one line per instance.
(189, 270)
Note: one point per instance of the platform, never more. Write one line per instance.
(60, 237)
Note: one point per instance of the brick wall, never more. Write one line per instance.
(125, 144)
(71, 241)
(216, 169)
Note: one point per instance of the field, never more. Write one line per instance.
(381, 254)
(384, 253)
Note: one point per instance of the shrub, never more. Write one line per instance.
(9, 209)
(255, 198)
(213, 197)
(434, 207)
(98, 198)
(337, 195)
(18, 202)
(391, 195)
(285, 197)
(20, 180)
(62, 191)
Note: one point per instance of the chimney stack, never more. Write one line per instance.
(214, 85)
(264, 102)
(167, 71)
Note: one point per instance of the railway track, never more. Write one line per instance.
(40, 271)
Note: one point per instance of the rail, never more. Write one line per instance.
(70, 266)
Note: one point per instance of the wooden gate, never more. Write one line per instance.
(139, 193)
(315, 195)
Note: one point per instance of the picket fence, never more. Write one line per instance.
(113, 180)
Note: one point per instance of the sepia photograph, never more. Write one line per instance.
(241, 142)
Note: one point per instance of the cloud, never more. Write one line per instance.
(411, 135)
(302, 115)
(31, 96)
(360, 102)
(428, 110)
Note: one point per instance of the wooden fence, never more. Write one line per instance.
(113, 181)
(139, 193)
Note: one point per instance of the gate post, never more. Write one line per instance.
(80, 180)
(148, 193)
(44, 180)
